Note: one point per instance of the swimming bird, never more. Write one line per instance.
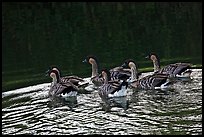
(96, 79)
(179, 70)
(76, 80)
(61, 89)
(117, 73)
(155, 81)
(112, 88)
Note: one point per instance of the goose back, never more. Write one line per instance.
(112, 88)
(150, 81)
(60, 89)
(171, 69)
(176, 68)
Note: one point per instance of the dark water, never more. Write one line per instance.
(29, 110)
(37, 35)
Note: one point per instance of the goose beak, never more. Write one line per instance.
(123, 65)
(84, 61)
(147, 57)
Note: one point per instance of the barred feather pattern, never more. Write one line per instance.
(61, 88)
(176, 68)
(110, 88)
(150, 82)
(115, 75)
(74, 79)
(97, 81)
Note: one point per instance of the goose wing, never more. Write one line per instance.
(97, 81)
(111, 88)
(106, 89)
(67, 87)
(74, 79)
(151, 81)
(158, 79)
(176, 68)
(181, 67)
(119, 73)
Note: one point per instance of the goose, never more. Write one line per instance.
(112, 88)
(117, 73)
(78, 81)
(154, 81)
(59, 88)
(96, 79)
(177, 70)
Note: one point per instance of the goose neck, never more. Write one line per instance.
(55, 78)
(134, 73)
(156, 65)
(105, 77)
(94, 69)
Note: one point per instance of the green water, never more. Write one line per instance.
(37, 35)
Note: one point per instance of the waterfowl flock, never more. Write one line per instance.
(115, 82)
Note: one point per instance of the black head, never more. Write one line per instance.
(126, 63)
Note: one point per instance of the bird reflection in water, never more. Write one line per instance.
(120, 102)
(55, 101)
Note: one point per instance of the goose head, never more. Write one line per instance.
(54, 74)
(94, 63)
(53, 68)
(57, 69)
(129, 63)
(153, 57)
(90, 59)
(156, 61)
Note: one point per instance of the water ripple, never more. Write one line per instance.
(30, 111)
